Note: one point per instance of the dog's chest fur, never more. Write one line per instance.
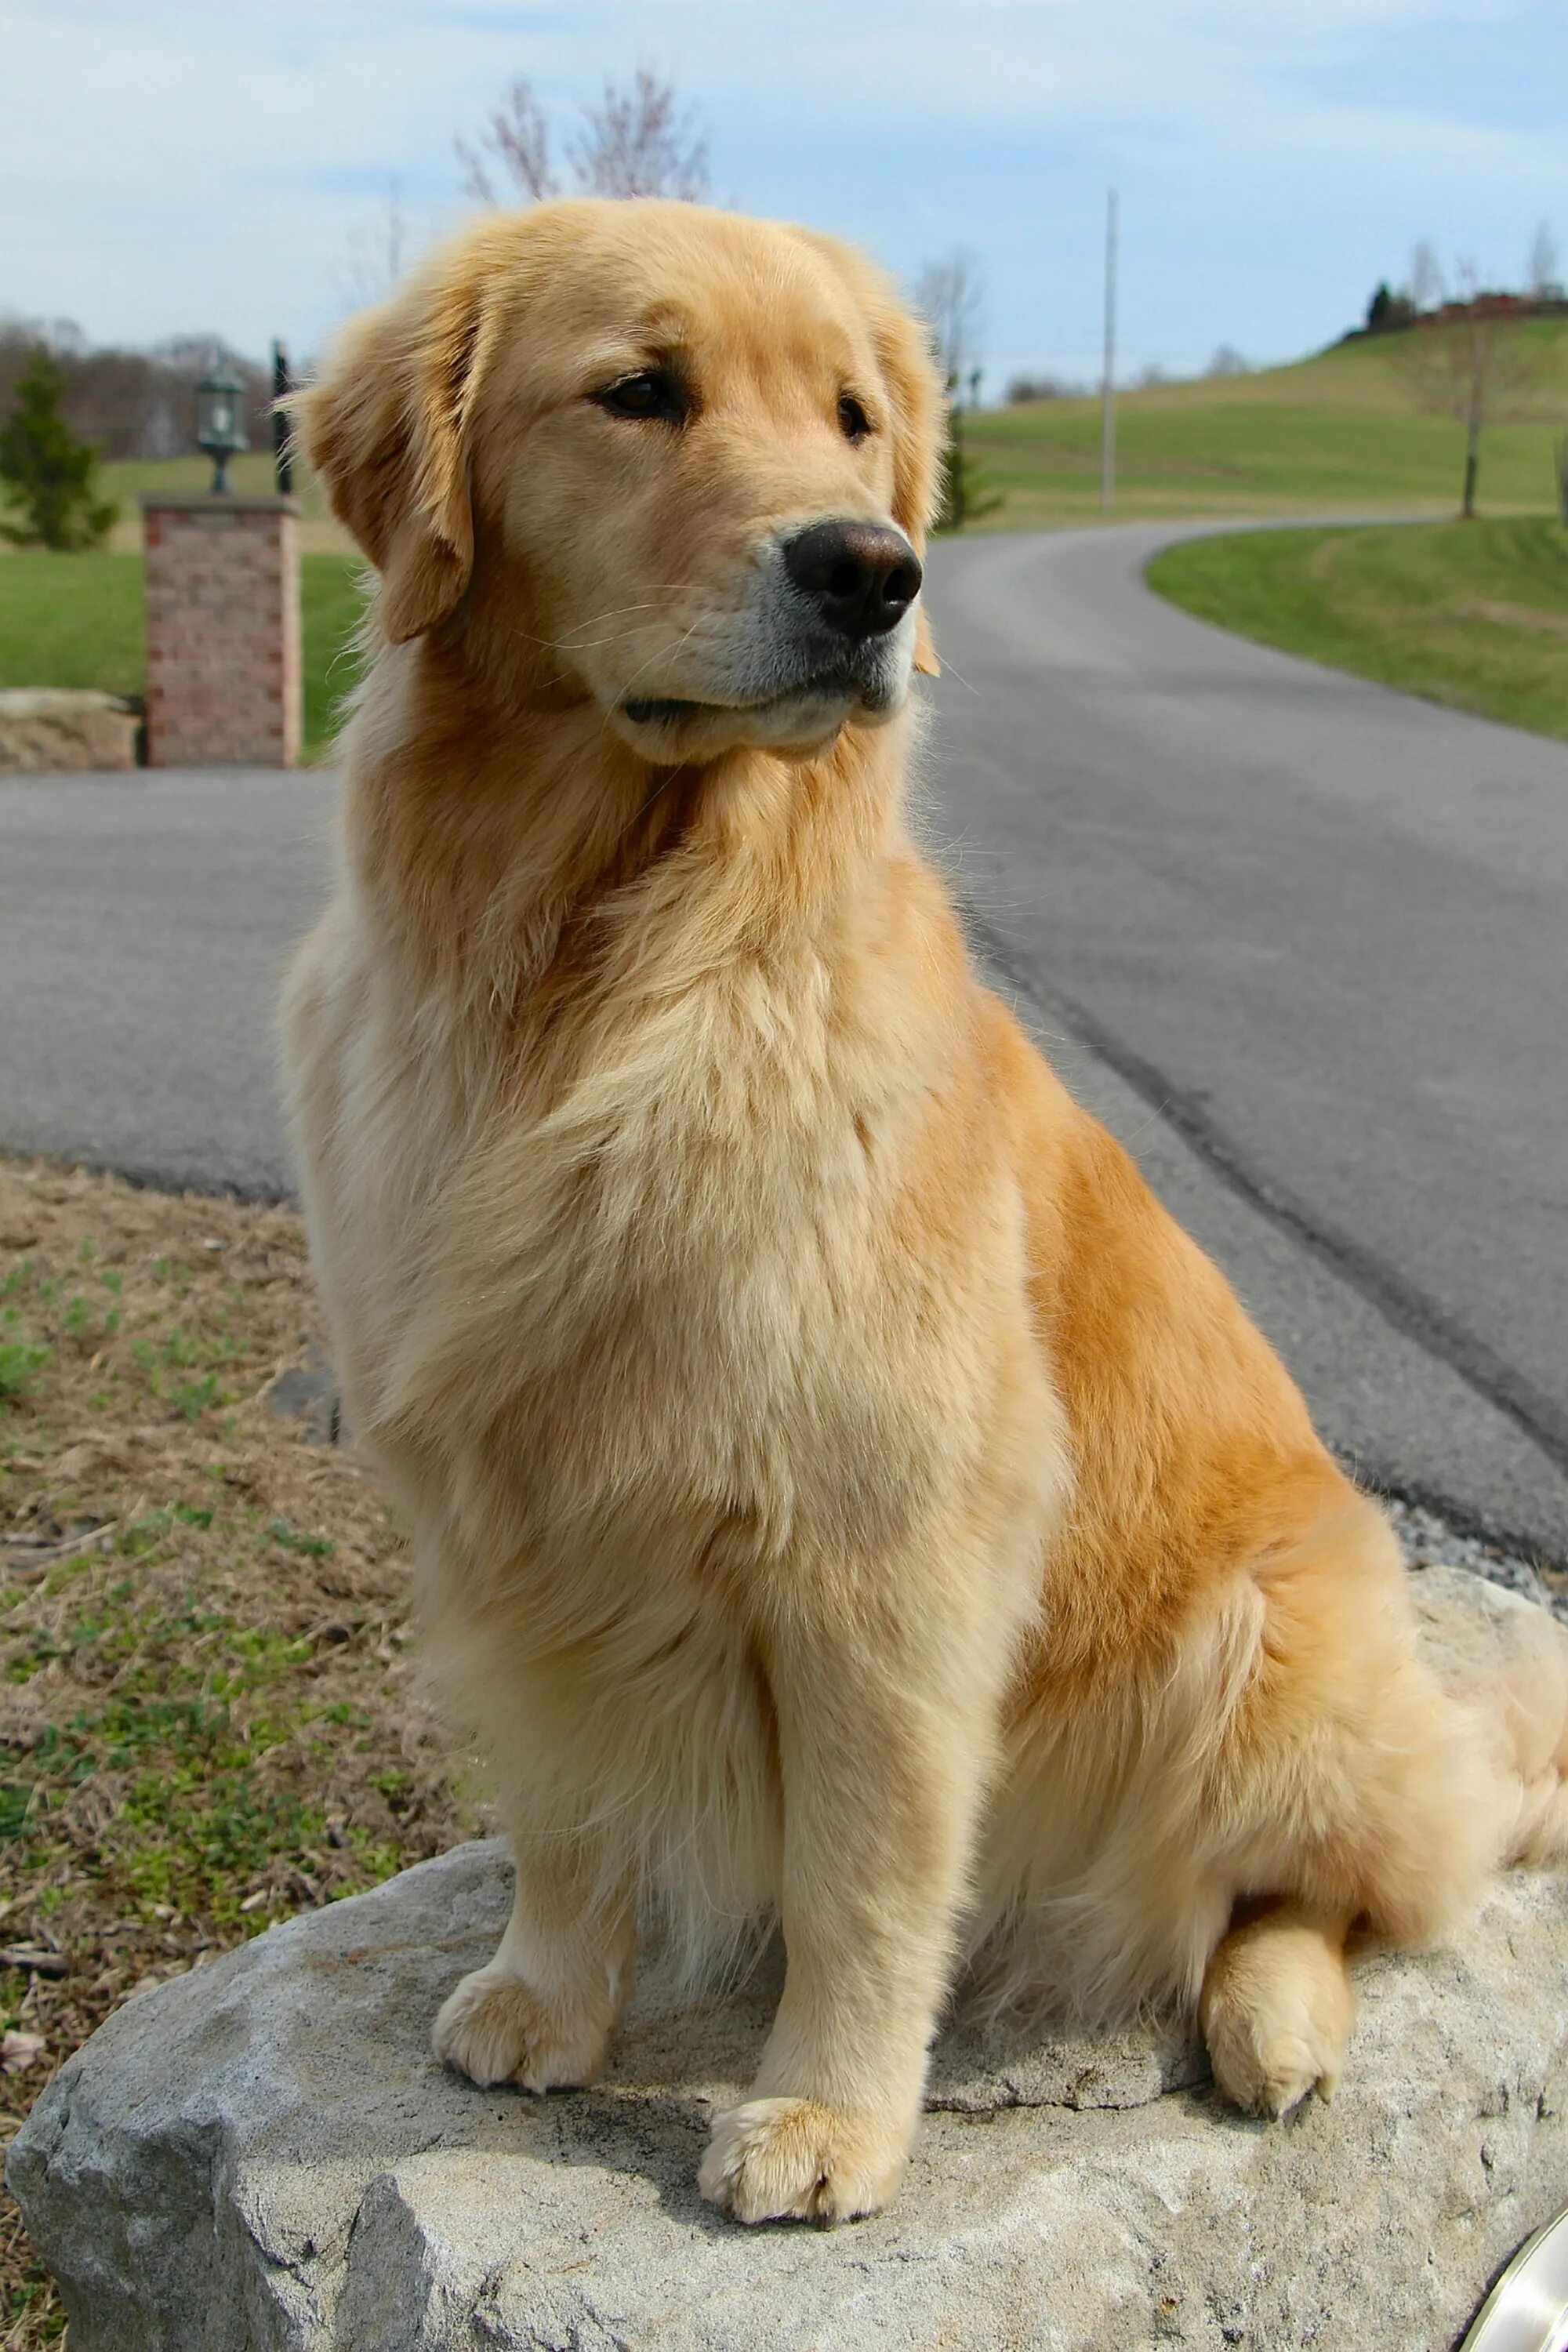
(655, 1290)
(653, 1348)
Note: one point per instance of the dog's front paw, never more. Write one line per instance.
(492, 2029)
(796, 2159)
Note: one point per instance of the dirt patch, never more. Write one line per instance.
(210, 1717)
(1515, 616)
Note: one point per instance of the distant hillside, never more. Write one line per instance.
(1339, 433)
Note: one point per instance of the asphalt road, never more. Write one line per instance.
(1322, 931)
(144, 924)
(1303, 942)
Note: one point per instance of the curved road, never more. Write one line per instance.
(1304, 941)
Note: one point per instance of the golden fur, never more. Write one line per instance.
(838, 1491)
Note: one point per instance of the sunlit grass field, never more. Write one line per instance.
(76, 620)
(1472, 614)
(1337, 434)
(250, 476)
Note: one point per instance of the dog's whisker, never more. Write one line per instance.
(576, 643)
(950, 669)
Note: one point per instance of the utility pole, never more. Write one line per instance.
(1108, 381)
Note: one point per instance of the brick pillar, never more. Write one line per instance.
(221, 580)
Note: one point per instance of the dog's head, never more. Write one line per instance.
(675, 461)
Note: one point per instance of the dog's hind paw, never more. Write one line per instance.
(492, 2029)
(1276, 2013)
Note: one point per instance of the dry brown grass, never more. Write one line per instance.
(209, 1713)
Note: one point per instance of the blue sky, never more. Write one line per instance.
(166, 165)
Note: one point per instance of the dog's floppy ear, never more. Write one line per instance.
(386, 430)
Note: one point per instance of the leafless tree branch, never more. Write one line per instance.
(949, 296)
(377, 253)
(515, 142)
(641, 143)
(1465, 362)
(1544, 270)
(1427, 283)
(638, 141)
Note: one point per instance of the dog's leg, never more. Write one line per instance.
(542, 2012)
(882, 1769)
(1277, 2008)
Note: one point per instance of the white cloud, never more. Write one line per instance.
(171, 164)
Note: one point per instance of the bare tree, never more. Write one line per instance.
(130, 403)
(1470, 364)
(1427, 283)
(949, 296)
(1228, 361)
(1544, 269)
(378, 252)
(515, 141)
(641, 143)
(638, 141)
(1044, 388)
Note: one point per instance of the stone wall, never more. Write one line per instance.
(221, 580)
(48, 731)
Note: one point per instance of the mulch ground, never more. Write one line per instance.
(210, 1718)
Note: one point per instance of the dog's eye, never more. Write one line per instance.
(652, 391)
(853, 421)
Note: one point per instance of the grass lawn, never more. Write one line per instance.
(1341, 433)
(1337, 434)
(1472, 614)
(76, 620)
(125, 479)
(210, 1717)
(251, 475)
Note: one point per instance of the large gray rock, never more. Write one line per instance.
(49, 730)
(263, 2155)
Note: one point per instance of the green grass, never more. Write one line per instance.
(329, 604)
(207, 1713)
(1471, 614)
(251, 476)
(71, 620)
(1339, 433)
(76, 620)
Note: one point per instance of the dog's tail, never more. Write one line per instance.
(1507, 1661)
(1526, 1708)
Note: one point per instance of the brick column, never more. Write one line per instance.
(222, 577)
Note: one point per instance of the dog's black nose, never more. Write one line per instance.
(861, 576)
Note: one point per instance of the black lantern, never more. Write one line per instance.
(220, 422)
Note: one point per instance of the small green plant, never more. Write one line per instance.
(47, 471)
(193, 1398)
(292, 1540)
(965, 497)
(20, 1360)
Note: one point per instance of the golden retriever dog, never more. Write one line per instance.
(839, 1493)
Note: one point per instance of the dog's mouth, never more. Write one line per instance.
(670, 710)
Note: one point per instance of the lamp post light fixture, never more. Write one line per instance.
(220, 424)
